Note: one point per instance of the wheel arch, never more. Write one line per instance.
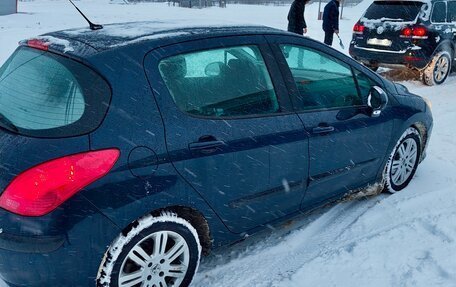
(424, 136)
(445, 45)
(191, 215)
(422, 131)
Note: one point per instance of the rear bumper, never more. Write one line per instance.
(411, 58)
(63, 248)
(31, 244)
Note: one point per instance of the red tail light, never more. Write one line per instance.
(407, 32)
(38, 44)
(417, 32)
(41, 189)
(358, 28)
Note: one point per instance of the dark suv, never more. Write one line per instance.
(129, 151)
(417, 34)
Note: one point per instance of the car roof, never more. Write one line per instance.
(85, 41)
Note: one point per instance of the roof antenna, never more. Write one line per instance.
(92, 26)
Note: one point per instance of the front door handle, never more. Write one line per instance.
(322, 130)
(206, 145)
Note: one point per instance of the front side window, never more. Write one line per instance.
(227, 82)
(452, 11)
(47, 95)
(322, 81)
(365, 84)
(439, 13)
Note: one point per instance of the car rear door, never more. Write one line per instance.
(228, 120)
(347, 146)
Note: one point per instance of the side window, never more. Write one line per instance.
(227, 82)
(322, 81)
(365, 84)
(439, 13)
(451, 11)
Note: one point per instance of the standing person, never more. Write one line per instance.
(331, 20)
(296, 22)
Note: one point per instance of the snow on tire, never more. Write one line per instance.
(403, 161)
(157, 252)
(438, 69)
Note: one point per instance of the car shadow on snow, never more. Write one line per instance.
(403, 74)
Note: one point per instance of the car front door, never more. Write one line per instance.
(451, 18)
(228, 120)
(347, 145)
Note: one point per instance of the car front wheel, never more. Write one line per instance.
(438, 69)
(158, 251)
(403, 161)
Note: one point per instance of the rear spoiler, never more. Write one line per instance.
(59, 45)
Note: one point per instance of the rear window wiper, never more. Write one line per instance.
(7, 124)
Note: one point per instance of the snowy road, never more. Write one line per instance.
(406, 239)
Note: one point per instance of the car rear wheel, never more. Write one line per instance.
(403, 161)
(373, 67)
(438, 69)
(159, 251)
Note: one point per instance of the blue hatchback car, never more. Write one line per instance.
(130, 151)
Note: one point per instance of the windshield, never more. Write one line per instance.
(43, 94)
(400, 11)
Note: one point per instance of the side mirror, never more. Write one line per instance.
(377, 100)
(213, 69)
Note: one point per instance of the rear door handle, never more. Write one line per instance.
(322, 130)
(206, 147)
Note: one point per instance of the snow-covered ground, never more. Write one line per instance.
(405, 239)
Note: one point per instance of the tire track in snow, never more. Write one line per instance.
(283, 259)
(339, 229)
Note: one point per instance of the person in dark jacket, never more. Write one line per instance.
(296, 22)
(331, 20)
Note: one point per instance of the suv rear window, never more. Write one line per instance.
(400, 11)
(46, 95)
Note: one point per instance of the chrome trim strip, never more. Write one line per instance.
(381, 51)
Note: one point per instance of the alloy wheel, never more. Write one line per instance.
(404, 161)
(159, 260)
(441, 68)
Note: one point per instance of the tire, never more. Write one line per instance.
(403, 161)
(438, 69)
(158, 251)
(372, 67)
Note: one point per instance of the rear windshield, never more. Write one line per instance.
(46, 95)
(400, 11)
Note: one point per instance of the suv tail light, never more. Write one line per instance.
(416, 32)
(358, 28)
(419, 32)
(41, 189)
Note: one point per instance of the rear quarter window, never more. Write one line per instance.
(47, 95)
